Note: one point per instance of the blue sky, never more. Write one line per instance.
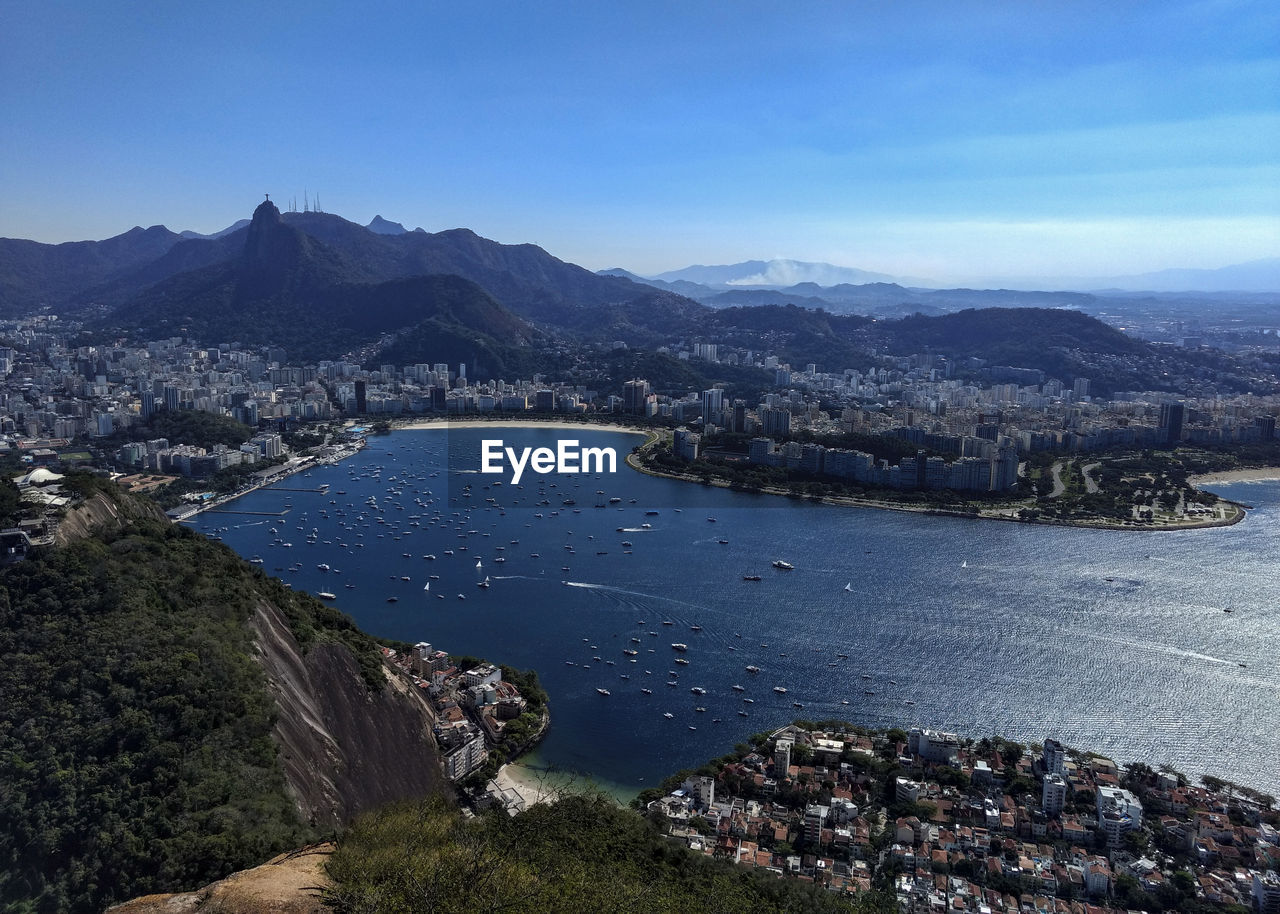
(944, 140)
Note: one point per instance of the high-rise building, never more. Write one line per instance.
(1055, 757)
(1004, 469)
(1171, 417)
(685, 443)
(1266, 892)
(713, 406)
(634, 395)
(782, 757)
(814, 818)
(776, 423)
(1053, 796)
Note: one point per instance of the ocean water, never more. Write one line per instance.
(1113, 641)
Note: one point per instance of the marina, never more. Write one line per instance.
(856, 631)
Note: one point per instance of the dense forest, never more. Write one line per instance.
(135, 746)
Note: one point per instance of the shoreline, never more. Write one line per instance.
(1248, 474)
(501, 421)
(848, 501)
(547, 785)
(523, 781)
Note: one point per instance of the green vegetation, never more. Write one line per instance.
(1139, 487)
(183, 426)
(580, 854)
(676, 377)
(135, 747)
(223, 482)
(11, 510)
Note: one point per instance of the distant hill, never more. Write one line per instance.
(1064, 344)
(1000, 334)
(233, 227)
(693, 290)
(34, 274)
(752, 297)
(776, 273)
(1254, 276)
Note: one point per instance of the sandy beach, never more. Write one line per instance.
(533, 786)
(1249, 474)
(501, 422)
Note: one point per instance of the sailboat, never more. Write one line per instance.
(964, 564)
(849, 587)
(426, 586)
(479, 564)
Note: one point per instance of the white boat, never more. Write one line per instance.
(426, 586)
(783, 566)
(479, 564)
(849, 587)
(603, 691)
(677, 646)
(325, 595)
(780, 690)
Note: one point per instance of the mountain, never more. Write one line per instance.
(772, 273)
(381, 226)
(34, 275)
(114, 273)
(684, 287)
(1254, 276)
(233, 227)
(288, 288)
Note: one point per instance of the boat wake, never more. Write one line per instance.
(1157, 648)
(622, 591)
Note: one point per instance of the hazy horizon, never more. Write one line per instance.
(946, 143)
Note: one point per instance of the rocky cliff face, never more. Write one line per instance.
(101, 513)
(345, 749)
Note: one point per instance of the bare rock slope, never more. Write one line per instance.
(345, 749)
(289, 884)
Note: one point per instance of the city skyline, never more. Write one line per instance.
(953, 144)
